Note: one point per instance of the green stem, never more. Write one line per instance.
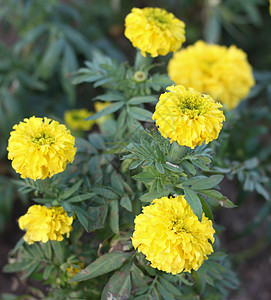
(153, 283)
(142, 62)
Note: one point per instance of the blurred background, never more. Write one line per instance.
(42, 44)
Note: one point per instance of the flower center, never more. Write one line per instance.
(194, 105)
(177, 226)
(43, 139)
(159, 19)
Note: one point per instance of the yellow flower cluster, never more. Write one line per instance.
(40, 148)
(188, 117)
(43, 224)
(154, 31)
(171, 235)
(76, 119)
(221, 72)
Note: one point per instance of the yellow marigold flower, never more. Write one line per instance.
(188, 117)
(171, 235)
(40, 148)
(221, 72)
(100, 106)
(76, 119)
(154, 31)
(43, 224)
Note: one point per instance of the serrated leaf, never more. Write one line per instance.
(194, 202)
(102, 265)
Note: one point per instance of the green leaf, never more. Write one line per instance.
(71, 190)
(80, 198)
(125, 202)
(165, 294)
(148, 197)
(111, 97)
(206, 208)
(200, 165)
(143, 99)
(145, 177)
(47, 250)
(106, 111)
(17, 266)
(58, 250)
(140, 114)
(135, 164)
(218, 197)
(119, 285)
(194, 202)
(51, 58)
(262, 191)
(47, 271)
(102, 265)
(170, 287)
(189, 167)
(114, 216)
(203, 183)
(159, 167)
(139, 280)
(29, 269)
(117, 182)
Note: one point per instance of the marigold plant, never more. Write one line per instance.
(171, 235)
(188, 117)
(40, 148)
(154, 31)
(221, 72)
(43, 224)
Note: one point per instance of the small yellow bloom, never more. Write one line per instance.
(154, 31)
(74, 268)
(171, 235)
(221, 72)
(40, 148)
(188, 117)
(43, 224)
(100, 106)
(76, 119)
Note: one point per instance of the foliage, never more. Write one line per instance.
(71, 54)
